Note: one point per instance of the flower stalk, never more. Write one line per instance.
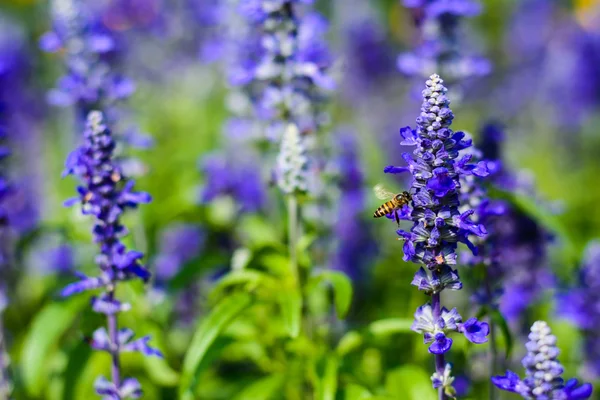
(437, 166)
(106, 194)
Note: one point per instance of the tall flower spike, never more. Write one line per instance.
(284, 70)
(437, 167)
(106, 194)
(543, 372)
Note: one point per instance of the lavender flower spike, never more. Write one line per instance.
(438, 225)
(106, 194)
(543, 371)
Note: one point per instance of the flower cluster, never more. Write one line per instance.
(284, 70)
(90, 82)
(355, 244)
(106, 194)
(514, 250)
(441, 48)
(581, 305)
(543, 371)
(292, 162)
(437, 167)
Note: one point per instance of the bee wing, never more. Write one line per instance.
(382, 193)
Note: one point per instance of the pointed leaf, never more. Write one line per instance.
(208, 330)
(47, 328)
(390, 326)
(499, 321)
(329, 383)
(267, 388)
(342, 290)
(290, 301)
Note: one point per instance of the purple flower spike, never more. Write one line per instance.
(281, 66)
(106, 194)
(439, 223)
(543, 371)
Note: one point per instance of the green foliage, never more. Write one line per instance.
(208, 330)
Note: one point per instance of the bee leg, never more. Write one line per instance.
(397, 217)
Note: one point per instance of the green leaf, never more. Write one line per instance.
(499, 321)
(349, 342)
(290, 301)
(357, 392)
(47, 328)
(247, 277)
(263, 389)
(409, 382)
(342, 290)
(258, 233)
(390, 326)
(157, 368)
(329, 383)
(78, 357)
(206, 333)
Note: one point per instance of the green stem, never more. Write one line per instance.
(293, 235)
(493, 344)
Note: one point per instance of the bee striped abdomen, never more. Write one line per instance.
(384, 209)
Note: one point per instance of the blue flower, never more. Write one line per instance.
(437, 223)
(236, 176)
(475, 331)
(283, 70)
(105, 193)
(441, 46)
(543, 371)
(178, 244)
(580, 305)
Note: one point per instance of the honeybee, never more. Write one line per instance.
(395, 203)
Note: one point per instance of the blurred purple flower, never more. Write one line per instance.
(178, 244)
(282, 65)
(442, 47)
(514, 250)
(581, 305)
(355, 245)
(552, 65)
(543, 371)
(235, 177)
(106, 194)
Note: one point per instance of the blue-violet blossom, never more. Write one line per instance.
(106, 194)
(441, 48)
(543, 371)
(438, 225)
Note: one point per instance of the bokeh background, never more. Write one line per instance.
(214, 208)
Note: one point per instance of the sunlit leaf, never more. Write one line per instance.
(263, 389)
(409, 382)
(206, 333)
(47, 328)
(349, 342)
(390, 326)
(290, 302)
(342, 289)
(329, 383)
